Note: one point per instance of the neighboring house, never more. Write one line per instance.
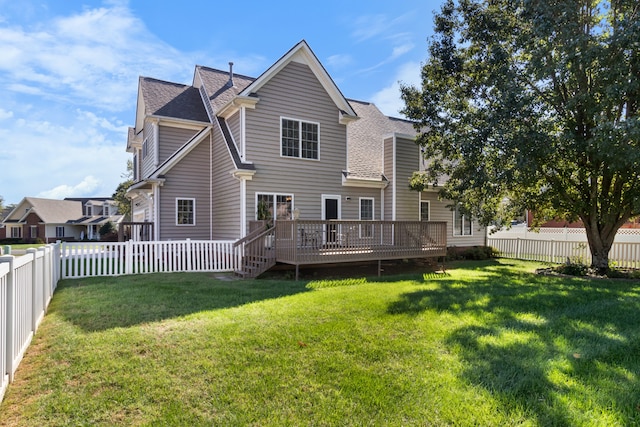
(50, 220)
(3, 214)
(207, 156)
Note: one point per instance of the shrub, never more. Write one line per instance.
(471, 253)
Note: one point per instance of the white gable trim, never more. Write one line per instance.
(302, 53)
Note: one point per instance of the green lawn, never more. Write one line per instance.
(488, 343)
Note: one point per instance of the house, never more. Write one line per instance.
(214, 156)
(50, 220)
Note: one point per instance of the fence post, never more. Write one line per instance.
(518, 247)
(188, 249)
(128, 257)
(11, 313)
(35, 310)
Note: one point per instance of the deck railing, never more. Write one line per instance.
(315, 242)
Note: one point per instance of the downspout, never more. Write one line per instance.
(210, 185)
(243, 138)
(156, 210)
(243, 207)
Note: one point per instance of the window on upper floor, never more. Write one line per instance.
(185, 211)
(300, 139)
(89, 210)
(145, 148)
(462, 224)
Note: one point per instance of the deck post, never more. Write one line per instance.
(297, 271)
(379, 267)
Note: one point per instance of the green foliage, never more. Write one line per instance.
(124, 204)
(477, 253)
(534, 105)
(107, 228)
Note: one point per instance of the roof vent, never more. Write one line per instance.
(230, 73)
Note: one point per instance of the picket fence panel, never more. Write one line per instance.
(27, 284)
(622, 254)
(114, 259)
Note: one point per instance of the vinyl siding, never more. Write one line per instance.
(295, 93)
(234, 127)
(171, 139)
(407, 162)
(389, 159)
(147, 162)
(440, 212)
(190, 178)
(226, 192)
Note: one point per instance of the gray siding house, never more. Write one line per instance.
(209, 157)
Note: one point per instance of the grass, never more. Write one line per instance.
(488, 343)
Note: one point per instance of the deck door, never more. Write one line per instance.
(331, 210)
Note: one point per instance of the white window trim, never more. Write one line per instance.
(463, 228)
(31, 233)
(300, 121)
(373, 208)
(194, 212)
(16, 232)
(59, 228)
(275, 202)
(362, 227)
(428, 202)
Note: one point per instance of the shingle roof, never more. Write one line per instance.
(366, 138)
(53, 211)
(216, 84)
(175, 100)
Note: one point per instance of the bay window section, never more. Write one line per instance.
(273, 206)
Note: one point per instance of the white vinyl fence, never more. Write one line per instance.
(114, 259)
(27, 283)
(622, 254)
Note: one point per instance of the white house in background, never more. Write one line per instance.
(70, 219)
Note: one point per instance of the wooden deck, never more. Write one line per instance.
(305, 242)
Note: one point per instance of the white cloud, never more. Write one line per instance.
(41, 157)
(4, 114)
(84, 188)
(388, 99)
(93, 58)
(339, 61)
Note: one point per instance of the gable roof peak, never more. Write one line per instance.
(302, 53)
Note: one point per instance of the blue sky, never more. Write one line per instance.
(69, 70)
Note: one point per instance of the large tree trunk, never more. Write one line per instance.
(600, 242)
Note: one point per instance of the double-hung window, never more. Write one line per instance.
(185, 211)
(300, 139)
(462, 224)
(16, 232)
(33, 231)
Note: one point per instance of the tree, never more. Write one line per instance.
(534, 104)
(124, 204)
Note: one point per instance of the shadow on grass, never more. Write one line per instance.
(96, 304)
(556, 349)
